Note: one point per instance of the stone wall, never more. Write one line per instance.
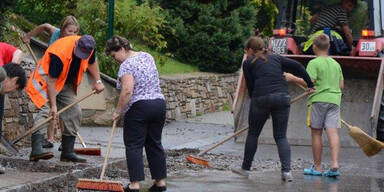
(195, 94)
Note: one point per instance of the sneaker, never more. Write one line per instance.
(47, 144)
(241, 171)
(312, 171)
(334, 172)
(286, 176)
(2, 169)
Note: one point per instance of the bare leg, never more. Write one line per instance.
(160, 183)
(317, 148)
(333, 138)
(134, 185)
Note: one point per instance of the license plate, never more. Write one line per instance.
(279, 46)
(368, 46)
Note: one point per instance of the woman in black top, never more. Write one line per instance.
(268, 90)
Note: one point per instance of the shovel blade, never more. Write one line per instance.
(8, 146)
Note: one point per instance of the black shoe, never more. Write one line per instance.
(47, 144)
(156, 188)
(127, 189)
(68, 154)
(60, 147)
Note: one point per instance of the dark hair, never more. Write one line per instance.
(257, 45)
(116, 43)
(15, 70)
(321, 42)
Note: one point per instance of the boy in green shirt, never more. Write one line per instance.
(324, 105)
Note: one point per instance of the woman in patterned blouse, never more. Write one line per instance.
(142, 105)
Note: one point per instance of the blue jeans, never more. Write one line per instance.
(277, 105)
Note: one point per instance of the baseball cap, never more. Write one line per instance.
(84, 46)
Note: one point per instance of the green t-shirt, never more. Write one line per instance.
(327, 75)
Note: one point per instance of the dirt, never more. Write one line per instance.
(68, 173)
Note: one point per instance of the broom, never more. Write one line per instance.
(200, 161)
(85, 150)
(100, 184)
(368, 144)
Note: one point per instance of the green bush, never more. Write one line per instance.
(141, 23)
(208, 34)
(45, 11)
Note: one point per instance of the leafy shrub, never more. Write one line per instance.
(141, 23)
(208, 34)
(45, 11)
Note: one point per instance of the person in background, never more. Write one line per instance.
(334, 18)
(12, 78)
(324, 105)
(69, 26)
(142, 105)
(268, 90)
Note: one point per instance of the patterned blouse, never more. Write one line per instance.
(146, 78)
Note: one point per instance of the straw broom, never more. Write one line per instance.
(100, 184)
(368, 144)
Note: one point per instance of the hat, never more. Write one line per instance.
(84, 46)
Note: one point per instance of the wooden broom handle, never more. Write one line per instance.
(81, 140)
(36, 127)
(108, 149)
(26, 44)
(245, 128)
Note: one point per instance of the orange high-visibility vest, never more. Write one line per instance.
(37, 84)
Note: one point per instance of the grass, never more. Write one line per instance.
(167, 65)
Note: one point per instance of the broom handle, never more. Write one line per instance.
(108, 149)
(27, 45)
(345, 123)
(245, 128)
(81, 140)
(36, 127)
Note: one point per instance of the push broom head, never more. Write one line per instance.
(368, 144)
(88, 151)
(99, 185)
(197, 160)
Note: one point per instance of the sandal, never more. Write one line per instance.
(312, 171)
(334, 172)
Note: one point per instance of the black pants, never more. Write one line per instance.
(143, 126)
(1, 114)
(277, 105)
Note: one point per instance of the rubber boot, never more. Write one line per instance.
(68, 154)
(37, 149)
